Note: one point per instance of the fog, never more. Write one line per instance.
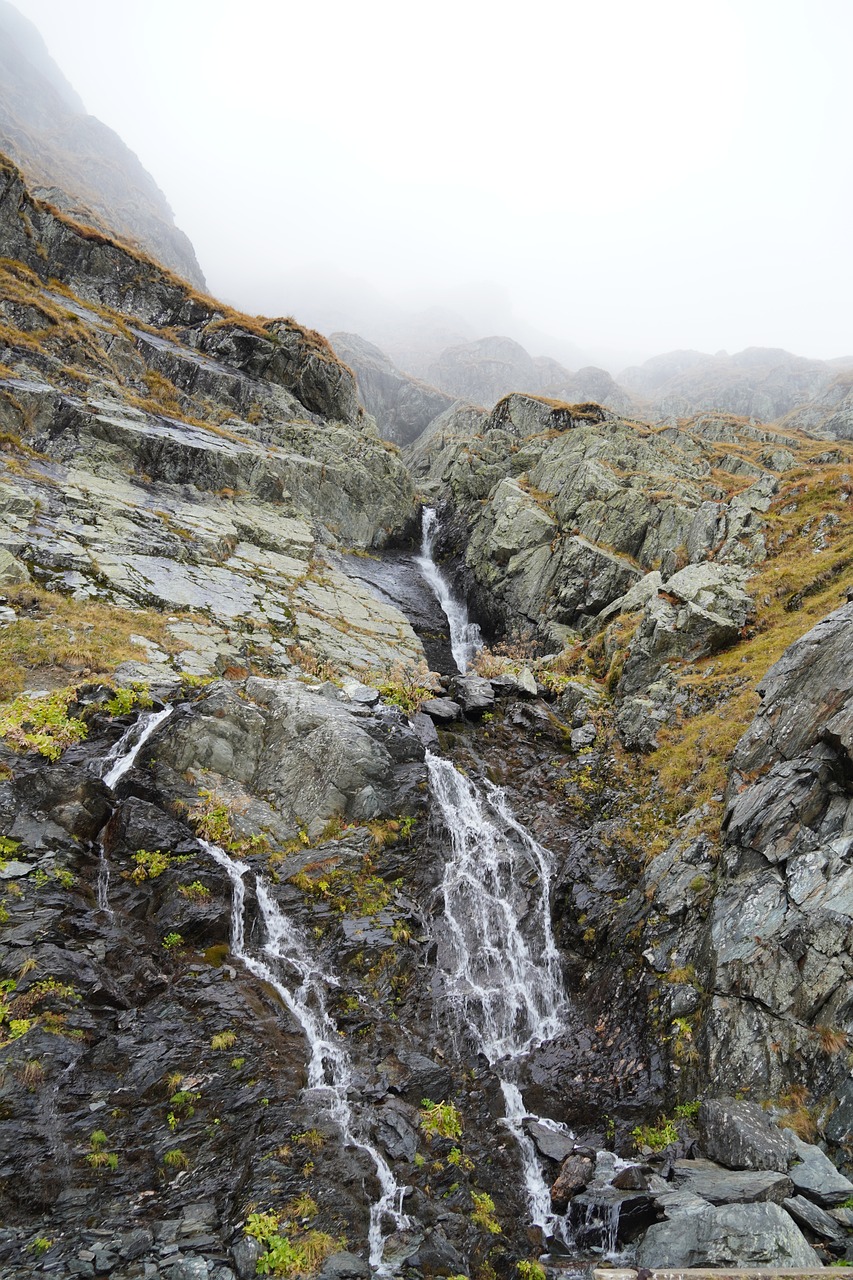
(602, 181)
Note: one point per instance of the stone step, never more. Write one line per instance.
(709, 1273)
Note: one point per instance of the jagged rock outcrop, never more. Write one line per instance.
(402, 406)
(183, 456)
(74, 160)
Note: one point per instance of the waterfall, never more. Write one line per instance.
(465, 638)
(115, 764)
(123, 753)
(497, 950)
(329, 1067)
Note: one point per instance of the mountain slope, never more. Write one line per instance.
(74, 160)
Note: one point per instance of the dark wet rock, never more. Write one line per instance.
(424, 729)
(443, 710)
(809, 1215)
(813, 1173)
(577, 1171)
(720, 1185)
(344, 1266)
(424, 1078)
(476, 694)
(66, 795)
(740, 1135)
(731, 1235)
(550, 1142)
(634, 1178)
(602, 1215)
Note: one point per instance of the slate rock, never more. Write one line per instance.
(441, 709)
(424, 730)
(729, 1235)
(740, 1135)
(549, 1142)
(344, 1266)
(810, 1215)
(245, 1253)
(719, 1185)
(814, 1174)
(475, 694)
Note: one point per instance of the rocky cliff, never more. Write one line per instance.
(255, 856)
(74, 160)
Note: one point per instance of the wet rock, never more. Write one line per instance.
(813, 1173)
(424, 729)
(740, 1135)
(476, 694)
(634, 1178)
(69, 796)
(576, 1173)
(810, 1215)
(344, 1266)
(424, 1078)
(732, 1235)
(550, 1142)
(443, 710)
(719, 1185)
(602, 1215)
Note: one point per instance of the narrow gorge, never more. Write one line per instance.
(416, 862)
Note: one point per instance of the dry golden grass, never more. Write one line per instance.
(57, 640)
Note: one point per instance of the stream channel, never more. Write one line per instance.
(499, 967)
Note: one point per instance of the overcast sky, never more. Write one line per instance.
(627, 175)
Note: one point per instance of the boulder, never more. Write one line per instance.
(476, 695)
(576, 1173)
(719, 1185)
(729, 1235)
(814, 1175)
(740, 1135)
(815, 1219)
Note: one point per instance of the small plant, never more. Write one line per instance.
(172, 940)
(687, 1110)
(223, 1040)
(149, 865)
(97, 1157)
(460, 1160)
(311, 1138)
(529, 1270)
(440, 1119)
(175, 1159)
(419, 1160)
(195, 892)
(40, 1245)
(664, 1134)
(483, 1214)
(124, 700)
(31, 723)
(237, 1063)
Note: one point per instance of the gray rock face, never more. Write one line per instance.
(475, 694)
(84, 166)
(815, 1219)
(814, 1175)
(730, 1235)
(402, 406)
(780, 924)
(719, 1185)
(298, 757)
(740, 1135)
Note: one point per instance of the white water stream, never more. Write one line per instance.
(501, 964)
(116, 763)
(329, 1067)
(465, 637)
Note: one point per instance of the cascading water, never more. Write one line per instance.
(501, 964)
(465, 637)
(329, 1067)
(115, 764)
